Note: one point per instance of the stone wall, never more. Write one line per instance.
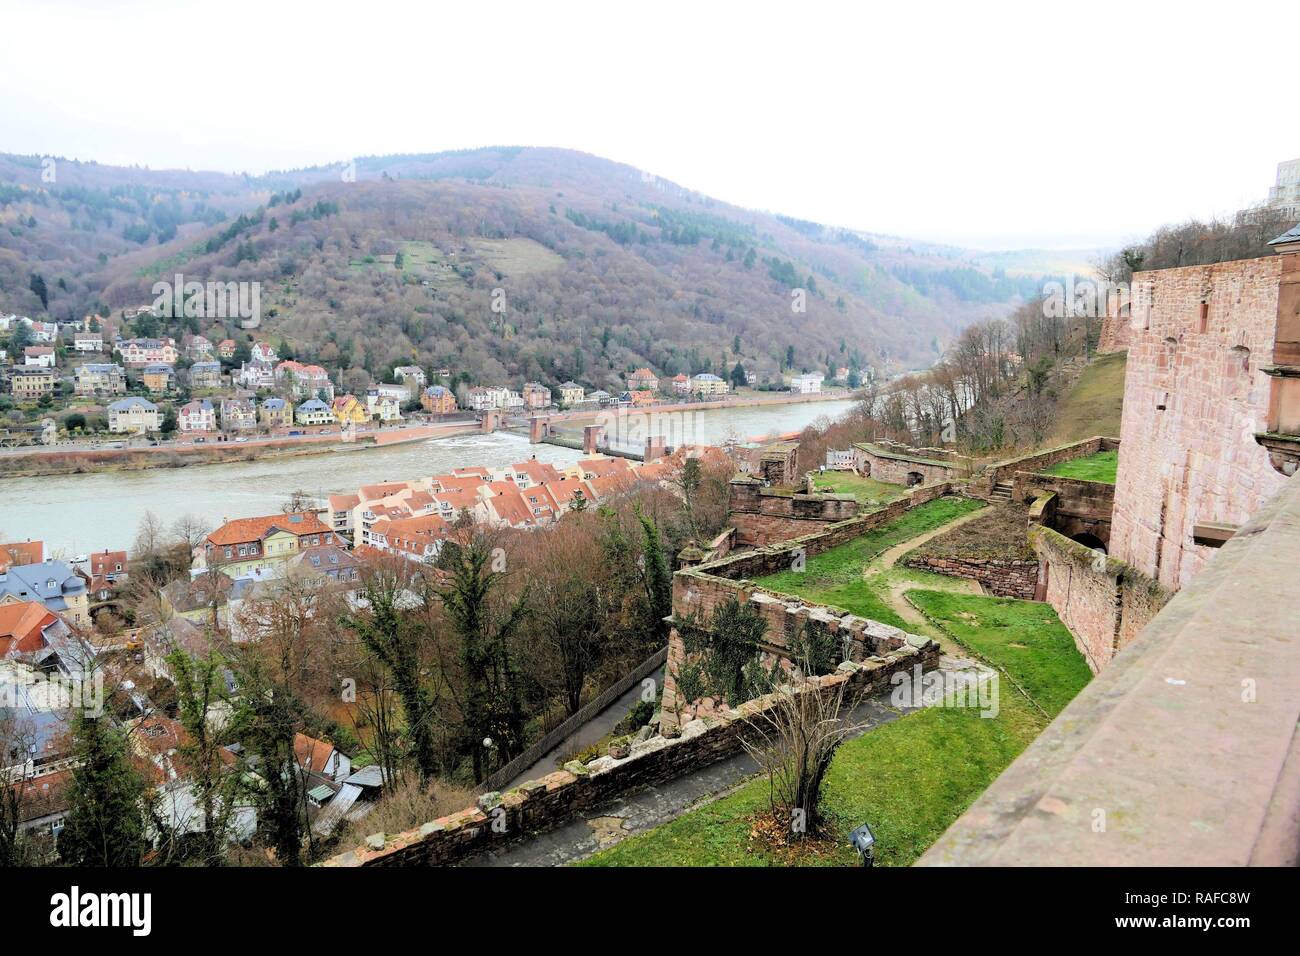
(1080, 507)
(901, 464)
(761, 515)
(1102, 601)
(1000, 471)
(1013, 579)
(1194, 397)
(537, 805)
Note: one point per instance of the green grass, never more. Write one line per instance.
(1093, 405)
(866, 490)
(835, 577)
(1099, 467)
(912, 777)
(909, 779)
(1023, 638)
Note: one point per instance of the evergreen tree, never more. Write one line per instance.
(493, 709)
(104, 825)
(738, 377)
(395, 646)
(658, 576)
(37, 284)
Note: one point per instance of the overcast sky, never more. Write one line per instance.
(996, 125)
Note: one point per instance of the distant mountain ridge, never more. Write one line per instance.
(506, 263)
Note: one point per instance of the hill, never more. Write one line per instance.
(505, 264)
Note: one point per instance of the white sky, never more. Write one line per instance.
(991, 124)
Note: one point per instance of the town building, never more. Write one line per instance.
(88, 342)
(809, 383)
(134, 416)
(238, 415)
(255, 376)
(30, 383)
(1285, 194)
(39, 356)
(197, 416)
(304, 381)
(21, 552)
(197, 347)
(386, 408)
(313, 412)
(226, 349)
(205, 375)
(348, 411)
(246, 546)
(571, 393)
(536, 395)
(141, 352)
(438, 400)
(643, 380)
(681, 384)
(55, 585)
(412, 376)
(275, 413)
(707, 384)
(99, 378)
(261, 352)
(158, 379)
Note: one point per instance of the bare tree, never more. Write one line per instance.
(794, 741)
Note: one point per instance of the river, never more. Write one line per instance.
(75, 514)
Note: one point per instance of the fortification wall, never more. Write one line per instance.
(1194, 398)
(762, 515)
(538, 805)
(1102, 601)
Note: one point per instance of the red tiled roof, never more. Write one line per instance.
(21, 552)
(106, 562)
(42, 796)
(312, 754)
(22, 627)
(254, 529)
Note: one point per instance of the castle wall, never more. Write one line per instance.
(1194, 397)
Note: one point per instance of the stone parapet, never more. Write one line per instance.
(1183, 752)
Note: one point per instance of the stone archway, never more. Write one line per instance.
(914, 478)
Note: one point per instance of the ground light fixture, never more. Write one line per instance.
(864, 841)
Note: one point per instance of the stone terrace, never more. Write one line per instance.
(1185, 746)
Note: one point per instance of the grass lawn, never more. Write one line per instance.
(835, 576)
(1023, 638)
(912, 777)
(1092, 406)
(866, 490)
(909, 779)
(1099, 467)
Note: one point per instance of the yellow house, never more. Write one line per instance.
(348, 410)
(251, 546)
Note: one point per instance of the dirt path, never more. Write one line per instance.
(897, 586)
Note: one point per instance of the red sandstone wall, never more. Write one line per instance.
(1196, 460)
(1013, 579)
(1103, 602)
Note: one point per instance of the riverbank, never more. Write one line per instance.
(54, 462)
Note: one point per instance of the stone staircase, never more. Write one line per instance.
(1001, 492)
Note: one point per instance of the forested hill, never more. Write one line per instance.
(504, 264)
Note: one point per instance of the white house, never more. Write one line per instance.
(197, 416)
(810, 383)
